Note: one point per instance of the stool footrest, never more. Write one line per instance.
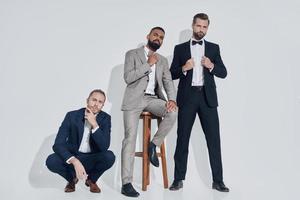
(140, 154)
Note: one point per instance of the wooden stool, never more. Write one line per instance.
(146, 117)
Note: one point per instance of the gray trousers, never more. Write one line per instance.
(131, 120)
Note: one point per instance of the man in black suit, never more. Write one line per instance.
(196, 63)
(81, 145)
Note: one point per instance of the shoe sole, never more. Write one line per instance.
(220, 190)
(154, 164)
(129, 195)
(69, 191)
(174, 189)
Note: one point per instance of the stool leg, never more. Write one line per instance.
(148, 161)
(146, 137)
(164, 164)
(163, 159)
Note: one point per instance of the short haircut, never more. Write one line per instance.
(98, 91)
(202, 16)
(157, 27)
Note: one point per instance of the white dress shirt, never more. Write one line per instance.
(151, 84)
(85, 142)
(85, 146)
(197, 51)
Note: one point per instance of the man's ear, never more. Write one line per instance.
(148, 36)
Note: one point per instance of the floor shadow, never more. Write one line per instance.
(115, 93)
(39, 175)
(184, 36)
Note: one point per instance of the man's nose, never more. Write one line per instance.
(158, 40)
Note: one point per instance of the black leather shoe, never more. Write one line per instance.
(152, 155)
(220, 186)
(129, 191)
(176, 185)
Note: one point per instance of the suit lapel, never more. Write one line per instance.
(206, 49)
(158, 69)
(99, 117)
(207, 54)
(188, 55)
(141, 54)
(188, 49)
(80, 125)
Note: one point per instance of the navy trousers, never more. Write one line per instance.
(197, 105)
(95, 165)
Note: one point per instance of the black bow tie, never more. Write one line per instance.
(197, 42)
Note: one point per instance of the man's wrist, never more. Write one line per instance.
(95, 129)
(73, 160)
(183, 69)
(69, 159)
(172, 101)
(94, 125)
(211, 67)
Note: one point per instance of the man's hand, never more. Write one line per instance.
(90, 117)
(188, 65)
(152, 58)
(205, 62)
(171, 106)
(79, 169)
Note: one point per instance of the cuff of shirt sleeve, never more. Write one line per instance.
(210, 70)
(68, 161)
(95, 129)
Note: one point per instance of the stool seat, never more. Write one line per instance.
(147, 117)
(149, 114)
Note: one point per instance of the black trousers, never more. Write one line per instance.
(95, 165)
(209, 120)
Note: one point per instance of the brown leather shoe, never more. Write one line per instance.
(70, 187)
(93, 186)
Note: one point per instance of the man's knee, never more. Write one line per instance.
(53, 162)
(109, 159)
(172, 115)
(106, 160)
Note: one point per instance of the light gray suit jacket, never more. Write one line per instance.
(136, 70)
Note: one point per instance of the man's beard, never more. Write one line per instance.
(199, 35)
(152, 45)
(95, 110)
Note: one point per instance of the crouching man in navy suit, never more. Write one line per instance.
(81, 145)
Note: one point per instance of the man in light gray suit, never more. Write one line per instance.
(146, 73)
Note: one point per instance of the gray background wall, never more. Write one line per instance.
(52, 53)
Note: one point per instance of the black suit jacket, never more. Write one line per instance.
(70, 134)
(182, 53)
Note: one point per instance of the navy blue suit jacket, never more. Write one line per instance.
(70, 134)
(182, 53)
